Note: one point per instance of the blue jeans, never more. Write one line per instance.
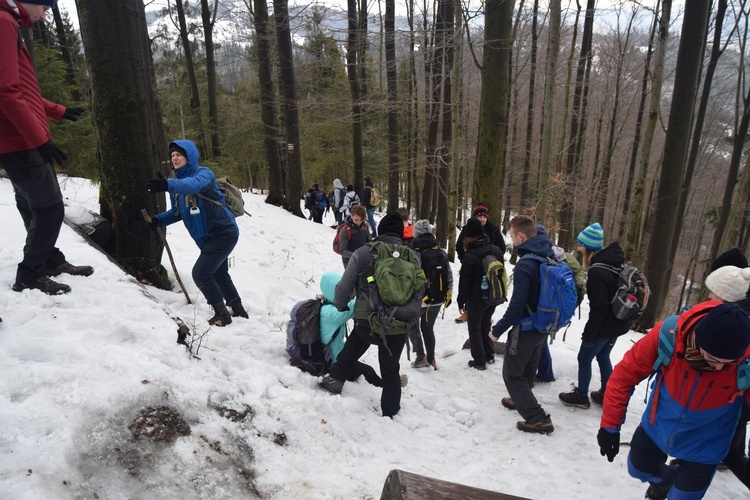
(600, 350)
(371, 220)
(211, 270)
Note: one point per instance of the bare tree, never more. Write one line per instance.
(208, 16)
(394, 160)
(195, 97)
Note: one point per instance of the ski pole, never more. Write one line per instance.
(159, 231)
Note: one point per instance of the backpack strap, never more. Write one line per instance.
(667, 335)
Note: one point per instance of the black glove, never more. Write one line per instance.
(154, 224)
(51, 153)
(73, 114)
(609, 443)
(157, 185)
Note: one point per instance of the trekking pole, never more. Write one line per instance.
(159, 231)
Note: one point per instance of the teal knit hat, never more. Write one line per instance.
(592, 237)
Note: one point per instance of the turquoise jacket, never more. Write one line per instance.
(331, 319)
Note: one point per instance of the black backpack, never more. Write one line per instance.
(435, 267)
(303, 344)
(632, 294)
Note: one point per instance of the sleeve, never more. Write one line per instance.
(522, 276)
(348, 282)
(344, 242)
(168, 217)
(366, 196)
(599, 298)
(465, 281)
(450, 271)
(460, 246)
(52, 110)
(333, 319)
(636, 365)
(193, 184)
(499, 241)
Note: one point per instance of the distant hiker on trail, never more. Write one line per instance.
(523, 346)
(316, 201)
(494, 235)
(439, 286)
(602, 328)
(353, 234)
(310, 203)
(337, 200)
(211, 225)
(350, 199)
(367, 202)
(370, 272)
(694, 401)
(408, 228)
(28, 154)
(471, 288)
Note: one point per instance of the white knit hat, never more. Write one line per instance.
(421, 227)
(729, 283)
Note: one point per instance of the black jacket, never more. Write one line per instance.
(601, 287)
(493, 234)
(367, 195)
(470, 282)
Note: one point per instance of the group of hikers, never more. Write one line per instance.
(342, 200)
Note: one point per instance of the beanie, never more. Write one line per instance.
(729, 283)
(392, 224)
(49, 3)
(592, 237)
(473, 228)
(174, 147)
(732, 257)
(481, 208)
(724, 332)
(421, 227)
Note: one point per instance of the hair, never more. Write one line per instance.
(349, 187)
(360, 211)
(587, 255)
(367, 178)
(469, 241)
(524, 224)
(315, 186)
(403, 213)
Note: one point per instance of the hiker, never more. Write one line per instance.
(602, 328)
(495, 236)
(354, 233)
(318, 203)
(408, 228)
(28, 154)
(350, 199)
(367, 202)
(337, 199)
(390, 342)
(470, 300)
(693, 407)
(439, 286)
(211, 225)
(310, 203)
(523, 347)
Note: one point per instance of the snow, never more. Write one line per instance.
(79, 368)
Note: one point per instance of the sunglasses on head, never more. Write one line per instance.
(719, 361)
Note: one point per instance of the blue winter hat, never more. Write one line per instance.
(592, 237)
(724, 332)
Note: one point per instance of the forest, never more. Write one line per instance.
(634, 114)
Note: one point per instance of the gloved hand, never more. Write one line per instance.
(343, 309)
(609, 442)
(157, 185)
(448, 299)
(73, 114)
(153, 225)
(51, 153)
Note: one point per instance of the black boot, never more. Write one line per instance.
(237, 309)
(222, 316)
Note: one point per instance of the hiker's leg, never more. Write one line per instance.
(361, 369)
(646, 461)
(475, 312)
(736, 459)
(586, 356)
(390, 398)
(371, 220)
(544, 371)
(415, 338)
(489, 350)
(427, 325)
(222, 277)
(516, 370)
(354, 348)
(213, 256)
(605, 364)
(691, 480)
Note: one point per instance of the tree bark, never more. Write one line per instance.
(208, 16)
(455, 129)
(394, 160)
(352, 44)
(195, 97)
(444, 172)
(64, 45)
(530, 105)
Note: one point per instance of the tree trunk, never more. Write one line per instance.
(493, 125)
(394, 161)
(354, 87)
(444, 173)
(455, 129)
(128, 151)
(288, 91)
(687, 73)
(195, 97)
(530, 106)
(62, 40)
(213, 109)
(413, 110)
(268, 106)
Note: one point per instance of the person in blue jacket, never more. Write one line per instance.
(197, 201)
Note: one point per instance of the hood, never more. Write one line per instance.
(539, 244)
(328, 284)
(424, 241)
(337, 184)
(611, 255)
(17, 11)
(193, 156)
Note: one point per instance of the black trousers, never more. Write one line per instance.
(39, 201)
(519, 371)
(427, 331)
(479, 322)
(356, 345)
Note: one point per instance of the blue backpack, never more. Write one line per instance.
(322, 200)
(557, 297)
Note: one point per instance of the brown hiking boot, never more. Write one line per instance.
(68, 268)
(463, 317)
(543, 426)
(43, 284)
(597, 397)
(508, 403)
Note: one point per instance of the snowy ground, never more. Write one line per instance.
(78, 369)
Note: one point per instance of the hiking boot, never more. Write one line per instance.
(404, 380)
(464, 316)
(43, 284)
(491, 360)
(508, 403)
(543, 426)
(575, 399)
(657, 491)
(420, 363)
(68, 268)
(433, 364)
(597, 397)
(332, 385)
(222, 316)
(237, 309)
(477, 366)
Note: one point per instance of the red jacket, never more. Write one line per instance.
(23, 111)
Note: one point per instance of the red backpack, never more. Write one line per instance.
(336, 247)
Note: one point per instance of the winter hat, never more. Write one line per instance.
(421, 227)
(592, 237)
(49, 3)
(724, 332)
(481, 208)
(393, 224)
(473, 228)
(729, 283)
(732, 257)
(174, 147)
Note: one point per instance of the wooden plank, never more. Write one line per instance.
(402, 485)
